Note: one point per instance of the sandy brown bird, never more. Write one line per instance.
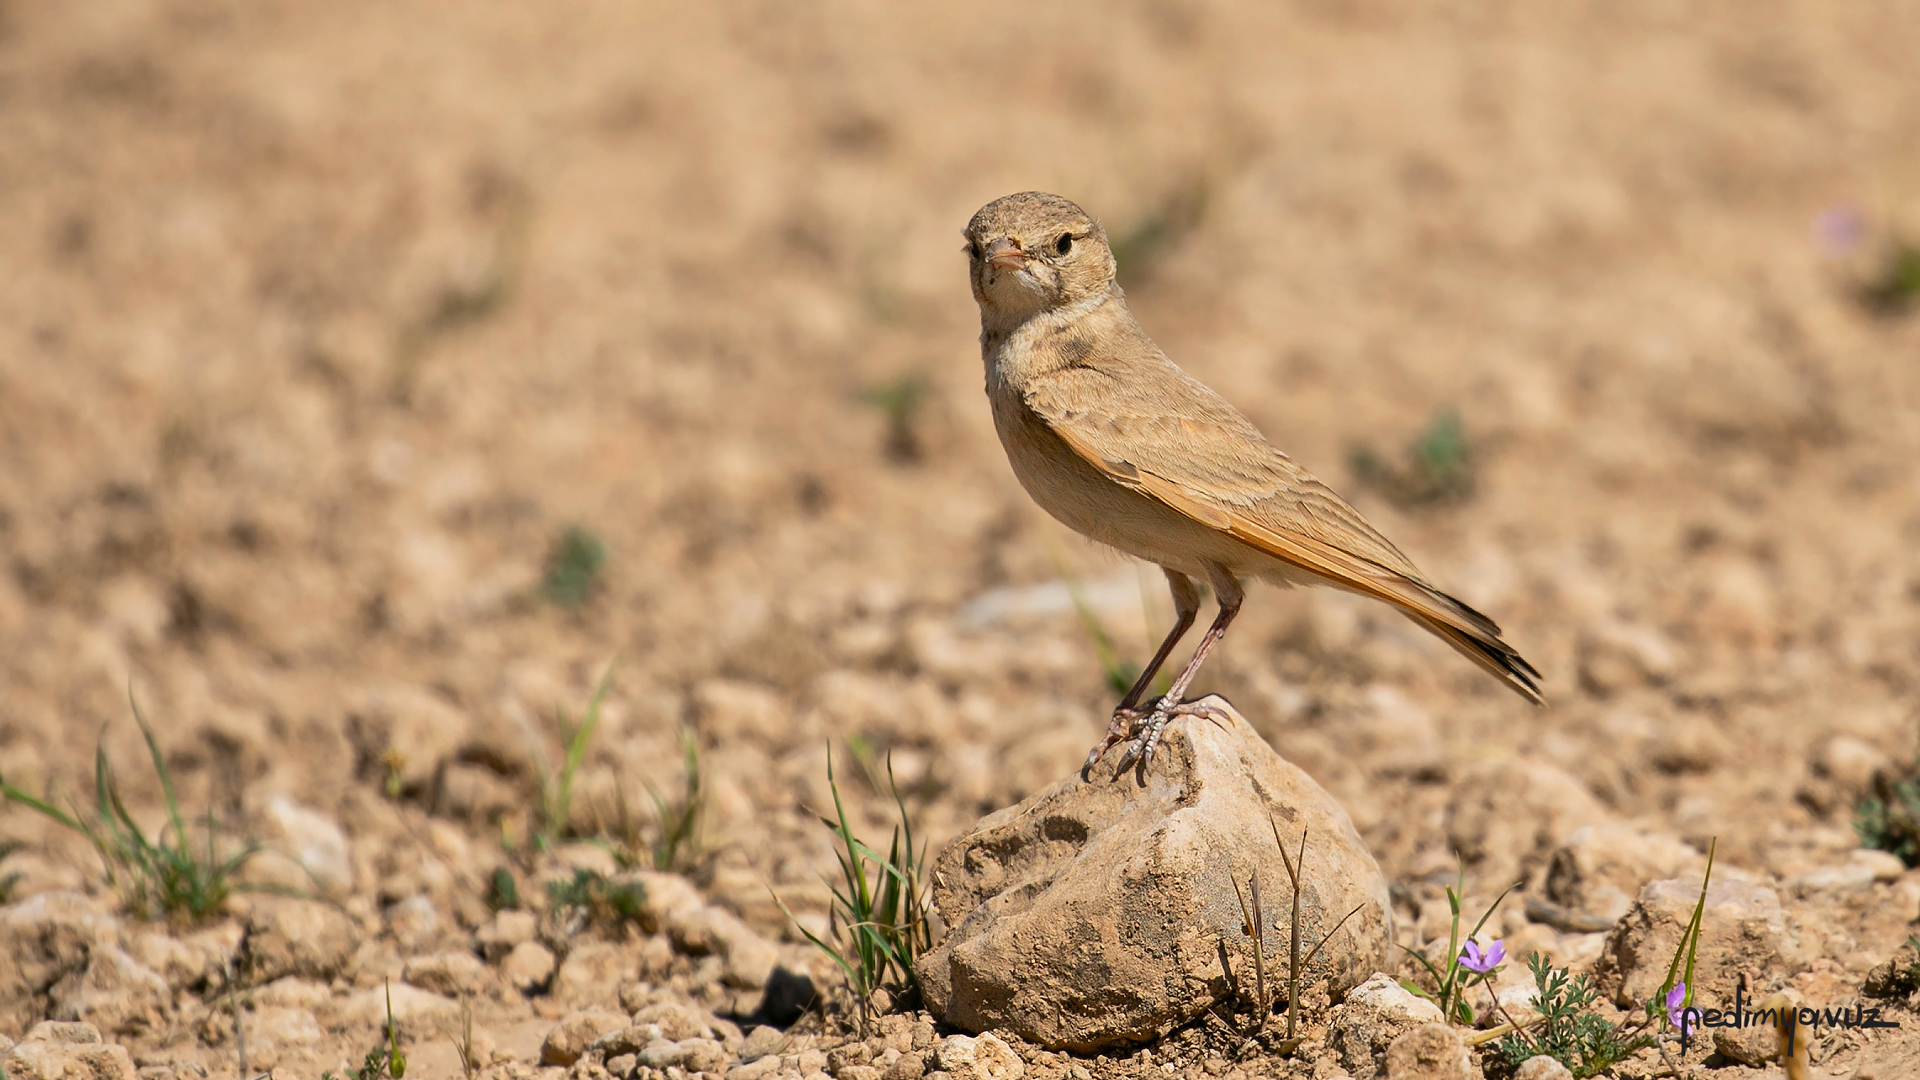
(1116, 442)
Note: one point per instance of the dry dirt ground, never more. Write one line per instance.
(321, 322)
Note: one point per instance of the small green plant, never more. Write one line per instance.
(879, 912)
(574, 564)
(593, 895)
(554, 818)
(1569, 1031)
(385, 1059)
(503, 892)
(1677, 991)
(674, 841)
(8, 881)
(1438, 466)
(1889, 818)
(1449, 991)
(1895, 286)
(899, 401)
(165, 874)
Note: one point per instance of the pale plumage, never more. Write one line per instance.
(1115, 441)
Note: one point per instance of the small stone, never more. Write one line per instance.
(34, 1058)
(1743, 931)
(675, 1020)
(1863, 868)
(298, 937)
(1428, 1052)
(1601, 868)
(1754, 1045)
(623, 1064)
(908, 1066)
(592, 971)
(316, 843)
(114, 991)
(527, 967)
(810, 1061)
(508, 929)
(64, 1033)
(43, 939)
(847, 1054)
(571, 1036)
(418, 1013)
(982, 1057)
(284, 1028)
(451, 973)
(859, 1072)
(414, 923)
(756, 1069)
(762, 1041)
(1542, 1067)
(1375, 1013)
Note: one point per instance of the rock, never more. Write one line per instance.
(1363, 1027)
(1542, 1067)
(572, 1035)
(316, 843)
(622, 1064)
(1850, 762)
(592, 972)
(756, 1069)
(114, 992)
(982, 1057)
(763, 1041)
(528, 967)
(409, 729)
(1601, 868)
(1428, 1052)
(66, 1051)
(1742, 932)
(413, 923)
(1861, 870)
(277, 1029)
(909, 1066)
(1753, 1046)
(674, 1020)
(692, 1055)
(508, 929)
(853, 1053)
(1616, 656)
(419, 1014)
(452, 974)
(43, 939)
(1097, 911)
(1506, 817)
(298, 937)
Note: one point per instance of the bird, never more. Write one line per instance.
(1112, 439)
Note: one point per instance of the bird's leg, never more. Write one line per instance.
(1146, 737)
(1186, 605)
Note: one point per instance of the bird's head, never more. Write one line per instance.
(1034, 252)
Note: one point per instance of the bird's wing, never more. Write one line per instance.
(1169, 437)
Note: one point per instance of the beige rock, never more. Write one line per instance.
(1743, 931)
(758, 1069)
(1602, 867)
(283, 1028)
(592, 973)
(763, 1041)
(507, 929)
(450, 973)
(675, 907)
(1617, 656)
(114, 992)
(1859, 872)
(298, 937)
(675, 1020)
(1096, 911)
(66, 1051)
(1373, 1015)
(409, 727)
(572, 1035)
(1753, 1046)
(1507, 816)
(982, 1057)
(43, 939)
(314, 841)
(1850, 761)
(692, 1055)
(1542, 1067)
(528, 966)
(419, 1014)
(1428, 1052)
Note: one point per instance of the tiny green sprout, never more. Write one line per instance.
(574, 565)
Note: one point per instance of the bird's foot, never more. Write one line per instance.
(1141, 728)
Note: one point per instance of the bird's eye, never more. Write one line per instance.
(1064, 244)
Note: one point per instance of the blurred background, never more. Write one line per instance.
(373, 375)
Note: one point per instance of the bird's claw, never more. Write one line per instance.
(1141, 728)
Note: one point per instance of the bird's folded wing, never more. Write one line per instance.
(1198, 455)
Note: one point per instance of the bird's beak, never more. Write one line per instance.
(1003, 255)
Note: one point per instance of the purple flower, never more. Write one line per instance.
(1840, 229)
(1474, 958)
(1677, 1007)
